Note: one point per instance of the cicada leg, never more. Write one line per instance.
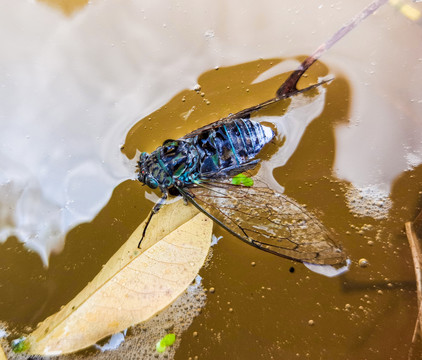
(154, 210)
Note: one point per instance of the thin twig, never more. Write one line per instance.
(416, 255)
(417, 325)
(415, 334)
(418, 220)
(290, 84)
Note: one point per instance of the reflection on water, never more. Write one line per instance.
(69, 97)
(71, 88)
(290, 128)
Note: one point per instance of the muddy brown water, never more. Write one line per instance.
(275, 308)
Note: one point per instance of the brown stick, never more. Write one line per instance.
(418, 221)
(416, 255)
(290, 84)
(417, 325)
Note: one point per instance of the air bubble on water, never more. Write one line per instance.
(209, 34)
(368, 201)
(363, 263)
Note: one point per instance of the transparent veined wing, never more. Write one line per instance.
(267, 220)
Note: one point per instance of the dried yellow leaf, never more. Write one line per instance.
(134, 285)
(2, 354)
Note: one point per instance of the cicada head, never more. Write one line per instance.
(144, 171)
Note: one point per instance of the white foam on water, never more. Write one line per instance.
(372, 201)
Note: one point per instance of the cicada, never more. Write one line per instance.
(201, 167)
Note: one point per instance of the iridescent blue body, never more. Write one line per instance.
(222, 150)
(202, 165)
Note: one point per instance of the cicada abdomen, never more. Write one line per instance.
(229, 148)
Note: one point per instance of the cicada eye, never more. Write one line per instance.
(143, 157)
(151, 182)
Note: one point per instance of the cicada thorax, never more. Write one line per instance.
(230, 146)
(174, 161)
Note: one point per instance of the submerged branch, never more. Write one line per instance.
(415, 248)
(416, 255)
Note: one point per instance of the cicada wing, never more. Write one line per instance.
(282, 93)
(267, 220)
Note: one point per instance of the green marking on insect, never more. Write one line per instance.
(242, 179)
(167, 340)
